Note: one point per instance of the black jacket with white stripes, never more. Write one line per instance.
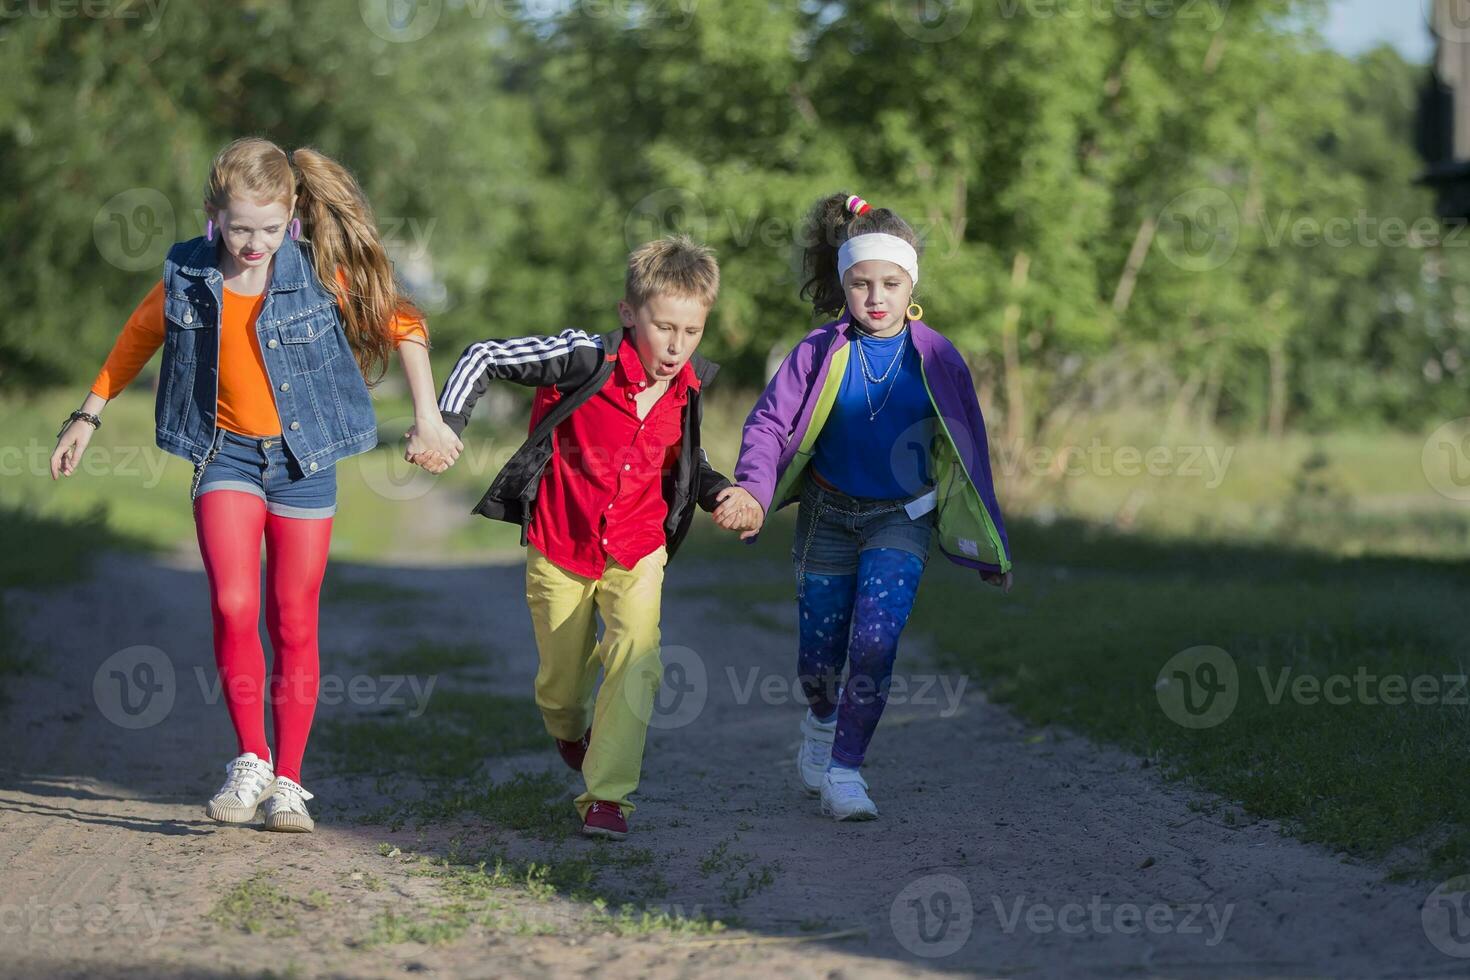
(578, 364)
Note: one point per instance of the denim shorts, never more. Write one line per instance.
(263, 467)
(832, 529)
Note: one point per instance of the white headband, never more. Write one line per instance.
(877, 245)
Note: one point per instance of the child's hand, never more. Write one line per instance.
(739, 511)
(1001, 581)
(69, 448)
(431, 461)
(432, 444)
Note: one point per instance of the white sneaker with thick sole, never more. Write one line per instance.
(845, 795)
(286, 809)
(815, 751)
(249, 780)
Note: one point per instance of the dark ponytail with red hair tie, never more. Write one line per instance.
(830, 222)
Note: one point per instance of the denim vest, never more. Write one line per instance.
(323, 402)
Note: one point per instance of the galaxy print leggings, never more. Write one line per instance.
(854, 620)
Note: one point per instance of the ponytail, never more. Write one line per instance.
(347, 254)
(831, 221)
(349, 258)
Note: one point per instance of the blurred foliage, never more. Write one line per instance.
(1122, 203)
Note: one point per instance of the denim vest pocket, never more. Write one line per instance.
(312, 339)
(186, 328)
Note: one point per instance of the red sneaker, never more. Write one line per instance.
(605, 819)
(572, 753)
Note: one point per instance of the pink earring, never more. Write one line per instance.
(209, 230)
(295, 229)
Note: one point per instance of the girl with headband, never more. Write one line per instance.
(872, 425)
(269, 324)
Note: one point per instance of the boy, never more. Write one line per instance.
(604, 491)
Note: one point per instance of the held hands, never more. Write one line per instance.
(432, 444)
(69, 448)
(739, 511)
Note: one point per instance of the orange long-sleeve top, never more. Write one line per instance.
(246, 404)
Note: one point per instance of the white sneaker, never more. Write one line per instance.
(815, 751)
(844, 795)
(286, 809)
(249, 780)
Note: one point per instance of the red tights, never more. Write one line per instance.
(230, 525)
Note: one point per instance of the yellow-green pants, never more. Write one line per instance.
(564, 608)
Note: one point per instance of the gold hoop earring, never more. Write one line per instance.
(915, 311)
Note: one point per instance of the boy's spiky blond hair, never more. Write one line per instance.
(676, 265)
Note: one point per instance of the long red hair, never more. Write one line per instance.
(346, 251)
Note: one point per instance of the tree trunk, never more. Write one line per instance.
(1011, 348)
(1210, 403)
(1276, 413)
(1123, 295)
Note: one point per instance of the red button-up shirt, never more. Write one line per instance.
(601, 494)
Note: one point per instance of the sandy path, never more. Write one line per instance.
(1001, 850)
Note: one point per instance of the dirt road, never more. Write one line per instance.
(1001, 850)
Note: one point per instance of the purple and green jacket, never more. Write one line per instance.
(781, 435)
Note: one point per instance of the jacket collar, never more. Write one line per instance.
(289, 266)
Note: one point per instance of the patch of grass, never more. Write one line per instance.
(340, 587)
(440, 926)
(427, 659)
(316, 899)
(260, 907)
(738, 889)
(44, 551)
(739, 880)
(538, 879)
(1096, 616)
(720, 859)
(368, 880)
(143, 492)
(534, 803)
(505, 895)
(13, 661)
(635, 920)
(1096, 613)
(445, 734)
